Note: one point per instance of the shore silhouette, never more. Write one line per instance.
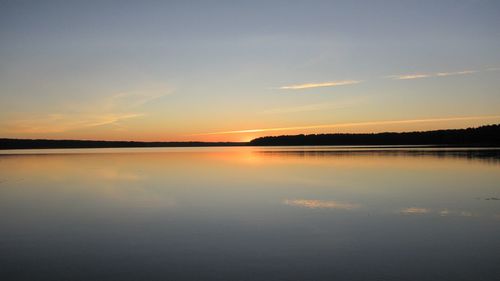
(488, 135)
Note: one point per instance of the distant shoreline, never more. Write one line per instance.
(62, 144)
(484, 136)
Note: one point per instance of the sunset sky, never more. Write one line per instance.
(235, 70)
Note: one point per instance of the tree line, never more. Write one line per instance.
(488, 135)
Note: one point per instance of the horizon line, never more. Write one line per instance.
(243, 142)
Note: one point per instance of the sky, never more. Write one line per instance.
(236, 70)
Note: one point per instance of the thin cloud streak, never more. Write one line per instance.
(409, 76)
(429, 75)
(415, 211)
(110, 110)
(356, 124)
(58, 123)
(318, 85)
(456, 73)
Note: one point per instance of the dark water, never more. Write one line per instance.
(250, 214)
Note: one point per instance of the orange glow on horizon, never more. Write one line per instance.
(151, 133)
(343, 125)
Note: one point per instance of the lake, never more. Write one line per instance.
(250, 213)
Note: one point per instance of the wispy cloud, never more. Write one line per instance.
(456, 73)
(109, 110)
(406, 76)
(318, 85)
(443, 212)
(355, 124)
(57, 123)
(321, 204)
(409, 76)
(428, 75)
(111, 119)
(415, 211)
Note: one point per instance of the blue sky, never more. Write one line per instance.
(217, 70)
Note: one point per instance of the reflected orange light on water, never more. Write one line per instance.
(230, 176)
(321, 204)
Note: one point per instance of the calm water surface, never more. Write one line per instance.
(246, 213)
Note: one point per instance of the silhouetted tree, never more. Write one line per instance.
(481, 136)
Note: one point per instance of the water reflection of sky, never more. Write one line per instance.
(321, 204)
(255, 205)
